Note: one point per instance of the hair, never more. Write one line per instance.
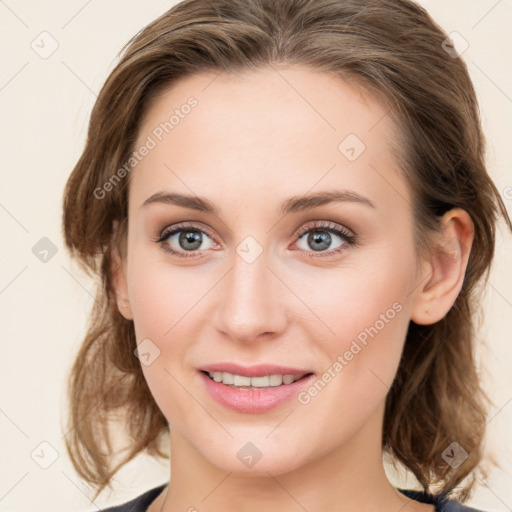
(390, 48)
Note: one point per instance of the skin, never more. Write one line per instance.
(254, 140)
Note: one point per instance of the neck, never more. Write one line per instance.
(348, 479)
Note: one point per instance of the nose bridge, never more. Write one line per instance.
(250, 303)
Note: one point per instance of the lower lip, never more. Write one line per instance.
(253, 400)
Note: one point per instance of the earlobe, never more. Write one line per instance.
(118, 272)
(445, 268)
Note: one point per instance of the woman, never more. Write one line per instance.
(288, 208)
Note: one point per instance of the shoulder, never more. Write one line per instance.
(442, 504)
(138, 504)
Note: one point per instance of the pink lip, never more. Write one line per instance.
(254, 400)
(259, 370)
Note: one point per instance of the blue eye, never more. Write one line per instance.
(186, 240)
(320, 237)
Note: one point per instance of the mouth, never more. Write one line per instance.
(253, 395)
(253, 389)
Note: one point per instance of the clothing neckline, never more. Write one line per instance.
(422, 496)
(425, 497)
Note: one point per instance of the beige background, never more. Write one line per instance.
(45, 105)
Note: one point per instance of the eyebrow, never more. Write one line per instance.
(291, 205)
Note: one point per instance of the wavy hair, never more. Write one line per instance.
(390, 48)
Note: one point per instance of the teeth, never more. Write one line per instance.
(256, 382)
(241, 381)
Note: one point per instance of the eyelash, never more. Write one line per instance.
(347, 236)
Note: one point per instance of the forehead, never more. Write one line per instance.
(269, 129)
(302, 99)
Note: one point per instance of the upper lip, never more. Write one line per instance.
(259, 370)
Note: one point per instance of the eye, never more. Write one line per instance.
(184, 238)
(189, 238)
(319, 237)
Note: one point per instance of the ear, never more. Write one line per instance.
(443, 272)
(118, 272)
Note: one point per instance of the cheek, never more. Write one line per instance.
(352, 299)
(161, 294)
(162, 303)
(167, 304)
(365, 311)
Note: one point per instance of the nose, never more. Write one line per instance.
(251, 302)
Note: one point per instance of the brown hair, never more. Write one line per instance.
(388, 47)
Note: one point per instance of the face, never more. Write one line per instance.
(268, 277)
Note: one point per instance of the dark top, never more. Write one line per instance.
(142, 502)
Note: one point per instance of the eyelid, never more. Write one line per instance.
(327, 226)
(349, 237)
(192, 225)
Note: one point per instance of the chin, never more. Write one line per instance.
(275, 465)
(253, 455)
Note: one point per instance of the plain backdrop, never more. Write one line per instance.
(45, 103)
